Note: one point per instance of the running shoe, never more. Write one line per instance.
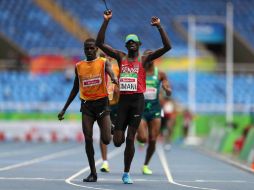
(146, 170)
(91, 178)
(105, 167)
(127, 179)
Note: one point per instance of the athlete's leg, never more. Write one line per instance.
(105, 137)
(134, 119)
(87, 126)
(130, 148)
(103, 148)
(121, 123)
(105, 165)
(142, 133)
(154, 131)
(105, 129)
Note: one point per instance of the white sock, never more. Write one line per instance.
(105, 162)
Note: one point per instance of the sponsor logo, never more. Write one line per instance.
(127, 79)
(130, 70)
(91, 82)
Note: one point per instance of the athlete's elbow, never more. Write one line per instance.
(168, 47)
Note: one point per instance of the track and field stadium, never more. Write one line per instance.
(206, 139)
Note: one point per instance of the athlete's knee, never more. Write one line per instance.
(118, 142)
(106, 140)
(118, 138)
(141, 138)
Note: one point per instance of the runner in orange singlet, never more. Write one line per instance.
(90, 82)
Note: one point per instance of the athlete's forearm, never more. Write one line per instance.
(71, 97)
(109, 70)
(164, 37)
(73, 93)
(101, 34)
(166, 87)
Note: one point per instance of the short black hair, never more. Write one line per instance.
(89, 40)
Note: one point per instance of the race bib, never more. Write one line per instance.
(128, 82)
(150, 93)
(91, 82)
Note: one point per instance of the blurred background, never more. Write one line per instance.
(210, 67)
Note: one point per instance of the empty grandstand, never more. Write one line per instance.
(41, 40)
(35, 31)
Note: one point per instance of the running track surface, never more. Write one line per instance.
(40, 166)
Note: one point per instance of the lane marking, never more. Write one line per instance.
(119, 180)
(112, 154)
(41, 159)
(166, 168)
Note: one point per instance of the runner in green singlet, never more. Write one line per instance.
(149, 128)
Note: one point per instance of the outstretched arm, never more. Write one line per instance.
(111, 73)
(73, 93)
(165, 83)
(101, 38)
(155, 21)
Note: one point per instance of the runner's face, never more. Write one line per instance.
(90, 50)
(132, 46)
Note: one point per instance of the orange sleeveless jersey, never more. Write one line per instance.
(92, 79)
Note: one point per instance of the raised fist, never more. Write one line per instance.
(107, 14)
(155, 21)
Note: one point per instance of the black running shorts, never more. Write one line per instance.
(95, 108)
(130, 110)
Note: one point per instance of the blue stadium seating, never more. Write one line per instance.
(28, 26)
(22, 87)
(31, 28)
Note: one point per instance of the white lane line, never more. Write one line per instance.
(119, 180)
(165, 166)
(112, 154)
(41, 159)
